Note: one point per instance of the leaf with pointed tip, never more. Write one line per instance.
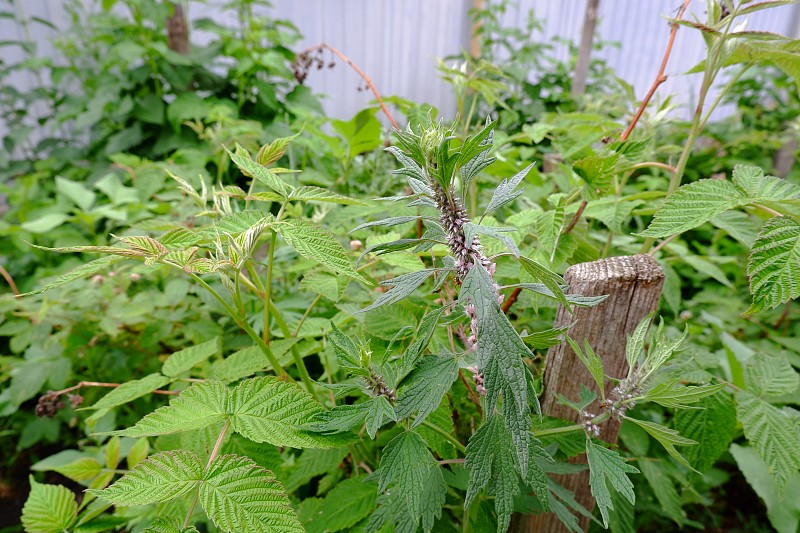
(239, 495)
(130, 390)
(422, 391)
(590, 360)
(49, 509)
(242, 221)
(402, 286)
(310, 193)
(347, 351)
(500, 358)
(258, 171)
(388, 222)
(767, 375)
(598, 172)
(635, 342)
(93, 267)
(668, 437)
(546, 338)
(318, 244)
(671, 394)
(272, 152)
(158, 478)
(507, 190)
(410, 167)
(608, 467)
(713, 427)
(549, 279)
(240, 364)
(471, 230)
(183, 360)
(574, 299)
(81, 469)
(423, 337)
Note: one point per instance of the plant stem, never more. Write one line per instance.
(557, 431)
(305, 315)
(273, 243)
(460, 447)
(214, 454)
(298, 359)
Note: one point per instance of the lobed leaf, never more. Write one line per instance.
(507, 190)
(608, 467)
(669, 438)
(422, 391)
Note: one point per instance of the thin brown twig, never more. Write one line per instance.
(660, 77)
(472, 394)
(512, 298)
(575, 218)
(102, 384)
(10, 281)
(662, 244)
(361, 73)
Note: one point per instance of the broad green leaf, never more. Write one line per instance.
(168, 525)
(240, 222)
(272, 152)
(712, 426)
(317, 244)
(362, 133)
(310, 193)
(774, 264)
(608, 467)
(421, 392)
(767, 190)
(348, 503)
(703, 265)
(130, 390)
(507, 190)
(692, 205)
(669, 438)
(773, 434)
(767, 375)
(491, 462)
(45, 223)
(783, 507)
(197, 407)
(549, 279)
(402, 286)
(409, 468)
(267, 409)
(138, 453)
(598, 172)
(240, 364)
(112, 452)
(159, 478)
(49, 509)
(239, 495)
(257, 171)
(546, 338)
(381, 412)
(102, 264)
(784, 55)
(388, 222)
(183, 360)
(738, 225)
(75, 191)
(80, 470)
(325, 284)
(672, 394)
(500, 359)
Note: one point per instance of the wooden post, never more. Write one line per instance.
(585, 48)
(178, 29)
(633, 284)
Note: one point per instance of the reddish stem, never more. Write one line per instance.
(101, 384)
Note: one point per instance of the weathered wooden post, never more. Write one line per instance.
(633, 284)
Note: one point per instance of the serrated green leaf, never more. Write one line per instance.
(422, 391)
(507, 190)
(317, 244)
(239, 495)
(672, 394)
(402, 286)
(268, 410)
(49, 509)
(381, 412)
(597, 171)
(608, 467)
(80, 470)
(388, 222)
(574, 299)
(272, 152)
(546, 338)
(310, 193)
(348, 503)
(258, 171)
(767, 375)
(500, 359)
(471, 230)
(590, 360)
(347, 351)
(669, 438)
(325, 284)
(408, 466)
(738, 225)
(663, 488)
(712, 427)
(773, 434)
(183, 360)
(774, 264)
(168, 525)
(130, 390)
(93, 267)
(159, 478)
(241, 221)
(240, 364)
(423, 337)
(693, 205)
(491, 461)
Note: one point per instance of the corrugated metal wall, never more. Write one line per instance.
(397, 42)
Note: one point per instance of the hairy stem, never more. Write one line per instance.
(214, 454)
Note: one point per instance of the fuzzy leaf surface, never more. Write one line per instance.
(767, 375)
(712, 426)
(317, 244)
(507, 190)
(239, 495)
(403, 286)
(774, 264)
(608, 467)
(422, 391)
(669, 438)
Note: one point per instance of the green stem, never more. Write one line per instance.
(460, 447)
(214, 454)
(298, 359)
(556, 431)
(305, 315)
(273, 243)
(242, 323)
(471, 112)
(721, 94)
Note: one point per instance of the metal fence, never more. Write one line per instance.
(398, 42)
